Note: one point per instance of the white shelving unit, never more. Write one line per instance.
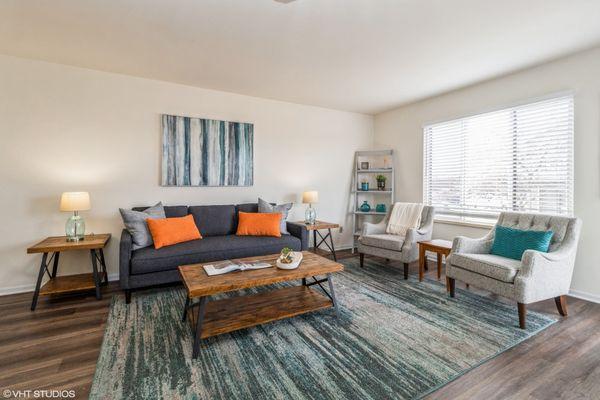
(381, 162)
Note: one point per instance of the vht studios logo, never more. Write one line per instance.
(38, 394)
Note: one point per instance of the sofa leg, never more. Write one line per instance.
(561, 305)
(127, 296)
(405, 271)
(452, 286)
(522, 315)
(362, 259)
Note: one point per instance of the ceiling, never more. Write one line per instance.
(356, 55)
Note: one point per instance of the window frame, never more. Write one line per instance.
(486, 219)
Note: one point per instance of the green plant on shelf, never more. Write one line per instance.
(381, 178)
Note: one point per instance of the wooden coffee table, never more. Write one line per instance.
(226, 315)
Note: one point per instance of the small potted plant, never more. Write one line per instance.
(364, 185)
(289, 259)
(380, 182)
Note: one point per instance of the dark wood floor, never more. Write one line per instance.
(56, 347)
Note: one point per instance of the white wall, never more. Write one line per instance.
(66, 129)
(401, 129)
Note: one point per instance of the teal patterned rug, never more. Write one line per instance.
(394, 339)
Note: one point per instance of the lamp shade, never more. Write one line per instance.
(75, 201)
(310, 197)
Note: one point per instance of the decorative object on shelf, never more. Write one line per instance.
(310, 197)
(365, 207)
(364, 165)
(380, 208)
(381, 182)
(364, 185)
(206, 152)
(75, 202)
(289, 259)
(387, 164)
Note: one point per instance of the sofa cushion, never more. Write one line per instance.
(383, 241)
(217, 220)
(170, 211)
(284, 209)
(135, 223)
(497, 267)
(211, 248)
(512, 243)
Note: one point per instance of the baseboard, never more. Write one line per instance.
(31, 287)
(594, 298)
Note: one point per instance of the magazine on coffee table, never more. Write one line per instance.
(223, 267)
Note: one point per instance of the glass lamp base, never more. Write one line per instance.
(75, 228)
(310, 216)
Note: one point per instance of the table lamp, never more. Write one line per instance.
(310, 216)
(75, 201)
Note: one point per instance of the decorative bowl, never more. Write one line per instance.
(296, 259)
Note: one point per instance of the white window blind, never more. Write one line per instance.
(519, 159)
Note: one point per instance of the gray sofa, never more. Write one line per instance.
(217, 224)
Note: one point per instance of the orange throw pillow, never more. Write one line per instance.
(259, 224)
(168, 231)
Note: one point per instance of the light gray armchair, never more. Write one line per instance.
(537, 276)
(376, 242)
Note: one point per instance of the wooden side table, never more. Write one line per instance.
(438, 246)
(318, 225)
(69, 283)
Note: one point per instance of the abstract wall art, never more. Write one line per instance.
(206, 152)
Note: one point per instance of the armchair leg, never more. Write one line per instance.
(522, 315)
(405, 271)
(362, 259)
(127, 296)
(561, 305)
(452, 286)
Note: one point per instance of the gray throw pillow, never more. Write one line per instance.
(284, 209)
(135, 223)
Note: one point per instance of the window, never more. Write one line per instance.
(515, 159)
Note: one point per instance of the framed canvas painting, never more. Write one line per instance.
(206, 152)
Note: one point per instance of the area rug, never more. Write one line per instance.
(393, 339)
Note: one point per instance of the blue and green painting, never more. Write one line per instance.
(206, 152)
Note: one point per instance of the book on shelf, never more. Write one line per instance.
(224, 267)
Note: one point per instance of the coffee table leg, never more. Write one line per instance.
(333, 299)
(201, 309)
(185, 308)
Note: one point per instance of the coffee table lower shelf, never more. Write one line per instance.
(227, 315)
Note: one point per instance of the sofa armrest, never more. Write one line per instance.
(299, 231)
(125, 250)
(415, 235)
(462, 244)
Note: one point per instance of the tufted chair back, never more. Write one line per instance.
(562, 227)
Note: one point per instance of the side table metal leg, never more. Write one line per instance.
(333, 298)
(198, 333)
(55, 264)
(39, 281)
(315, 247)
(332, 247)
(95, 271)
(103, 265)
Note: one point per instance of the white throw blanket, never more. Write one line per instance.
(404, 216)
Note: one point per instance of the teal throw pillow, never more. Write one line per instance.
(512, 243)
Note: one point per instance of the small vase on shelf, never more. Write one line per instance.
(365, 207)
